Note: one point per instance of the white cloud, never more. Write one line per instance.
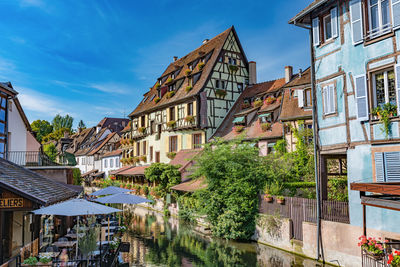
(39, 103)
(111, 87)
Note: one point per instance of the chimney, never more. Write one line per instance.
(252, 73)
(288, 73)
(300, 72)
(205, 41)
(175, 58)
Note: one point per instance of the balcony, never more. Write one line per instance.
(38, 158)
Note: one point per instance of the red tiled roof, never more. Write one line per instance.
(94, 151)
(213, 46)
(134, 171)
(89, 172)
(184, 157)
(191, 186)
(264, 87)
(113, 153)
(114, 172)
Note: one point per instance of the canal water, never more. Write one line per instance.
(156, 241)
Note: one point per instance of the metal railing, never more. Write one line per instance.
(38, 158)
(13, 262)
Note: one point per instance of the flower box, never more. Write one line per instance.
(142, 130)
(188, 88)
(220, 93)
(188, 72)
(170, 80)
(270, 100)
(157, 85)
(266, 126)
(189, 118)
(143, 158)
(171, 124)
(238, 128)
(257, 103)
(233, 68)
(170, 94)
(157, 99)
(171, 155)
(201, 65)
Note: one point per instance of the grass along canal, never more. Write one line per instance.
(156, 241)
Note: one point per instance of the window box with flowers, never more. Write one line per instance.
(372, 247)
(143, 158)
(384, 113)
(170, 94)
(220, 93)
(170, 80)
(157, 85)
(238, 128)
(136, 159)
(188, 72)
(233, 68)
(201, 65)
(131, 142)
(394, 259)
(142, 130)
(266, 126)
(156, 99)
(171, 124)
(189, 118)
(188, 88)
(171, 155)
(270, 100)
(268, 198)
(258, 103)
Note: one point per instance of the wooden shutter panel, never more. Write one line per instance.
(396, 13)
(332, 97)
(356, 21)
(334, 24)
(397, 74)
(392, 166)
(325, 96)
(379, 168)
(361, 97)
(315, 29)
(300, 98)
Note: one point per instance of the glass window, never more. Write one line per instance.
(172, 114)
(307, 98)
(197, 140)
(379, 16)
(190, 109)
(173, 143)
(384, 88)
(111, 163)
(327, 27)
(105, 163)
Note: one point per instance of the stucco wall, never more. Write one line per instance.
(59, 174)
(17, 130)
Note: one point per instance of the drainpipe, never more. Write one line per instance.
(320, 250)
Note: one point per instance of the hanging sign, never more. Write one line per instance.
(6, 203)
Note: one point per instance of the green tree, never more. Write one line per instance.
(77, 176)
(81, 125)
(51, 151)
(56, 135)
(41, 128)
(234, 173)
(164, 175)
(60, 122)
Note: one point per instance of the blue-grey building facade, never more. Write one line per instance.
(356, 56)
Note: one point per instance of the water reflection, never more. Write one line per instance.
(158, 242)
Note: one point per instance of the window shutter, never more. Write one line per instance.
(334, 24)
(325, 96)
(396, 13)
(361, 97)
(332, 97)
(356, 21)
(315, 27)
(397, 74)
(392, 166)
(379, 169)
(300, 98)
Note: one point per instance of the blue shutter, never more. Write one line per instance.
(356, 21)
(315, 29)
(395, 13)
(361, 97)
(379, 169)
(397, 74)
(334, 24)
(392, 166)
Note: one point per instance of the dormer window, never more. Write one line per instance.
(173, 75)
(171, 87)
(232, 61)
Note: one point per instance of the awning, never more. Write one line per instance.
(238, 120)
(98, 174)
(89, 172)
(264, 115)
(191, 186)
(135, 171)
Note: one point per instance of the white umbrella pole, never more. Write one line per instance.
(108, 228)
(77, 236)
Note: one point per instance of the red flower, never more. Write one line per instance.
(390, 259)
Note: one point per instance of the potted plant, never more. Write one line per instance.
(266, 126)
(384, 113)
(220, 93)
(31, 261)
(257, 103)
(131, 142)
(268, 198)
(170, 80)
(394, 259)
(238, 128)
(188, 72)
(188, 88)
(189, 118)
(201, 65)
(270, 100)
(171, 155)
(170, 94)
(171, 124)
(233, 68)
(372, 247)
(280, 200)
(156, 99)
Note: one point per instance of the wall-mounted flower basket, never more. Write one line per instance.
(270, 100)
(170, 94)
(143, 158)
(142, 130)
(188, 72)
(238, 128)
(201, 65)
(258, 103)
(245, 105)
(136, 159)
(156, 99)
(266, 126)
(280, 200)
(188, 88)
(130, 160)
(233, 68)
(268, 198)
(220, 93)
(189, 118)
(170, 80)
(384, 113)
(171, 155)
(171, 124)
(157, 85)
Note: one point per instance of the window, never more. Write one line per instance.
(171, 87)
(384, 88)
(379, 17)
(329, 99)
(240, 87)
(117, 163)
(221, 59)
(151, 153)
(190, 109)
(105, 163)
(151, 127)
(387, 166)
(172, 114)
(327, 23)
(325, 27)
(173, 143)
(197, 140)
(144, 150)
(111, 163)
(157, 156)
(307, 98)
(231, 61)
(142, 121)
(138, 149)
(219, 84)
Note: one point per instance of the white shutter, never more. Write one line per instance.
(332, 97)
(392, 166)
(361, 97)
(397, 74)
(325, 96)
(334, 23)
(379, 169)
(315, 29)
(300, 98)
(356, 21)
(396, 14)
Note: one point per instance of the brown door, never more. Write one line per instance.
(157, 156)
(5, 234)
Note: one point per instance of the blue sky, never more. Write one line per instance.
(96, 58)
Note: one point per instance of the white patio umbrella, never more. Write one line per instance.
(75, 207)
(110, 191)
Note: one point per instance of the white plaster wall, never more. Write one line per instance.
(108, 168)
(17, 128)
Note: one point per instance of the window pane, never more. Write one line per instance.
(385, 13)
(380, 89)
(374, 17)
(391, 87)
(328, 27)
